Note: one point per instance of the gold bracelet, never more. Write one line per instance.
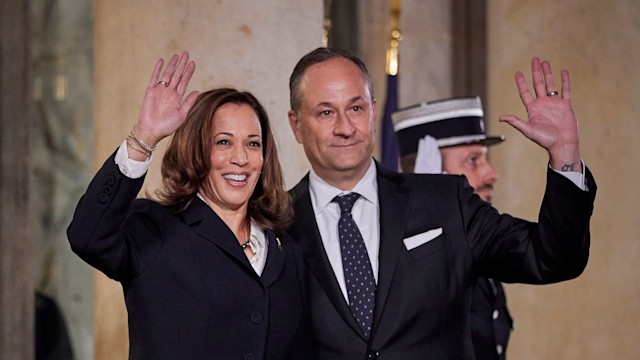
(137, 139)
(129, 144)
(148, 154)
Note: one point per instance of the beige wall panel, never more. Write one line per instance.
(251, 45)
(425, 51)
(595, 316)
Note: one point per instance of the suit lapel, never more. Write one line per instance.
(206, 223)
(394, 208)
(306, 233)
(275, 259)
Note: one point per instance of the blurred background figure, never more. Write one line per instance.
(51, 335)
(449, 136)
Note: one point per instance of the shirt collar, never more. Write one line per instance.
(322, 193)
(257, 236)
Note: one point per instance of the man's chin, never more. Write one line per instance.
(485, 195)
(350, 160)
(348, 166)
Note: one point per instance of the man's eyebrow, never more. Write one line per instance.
(324, 103)
(478, 152)
(330, 104)
(355, 99)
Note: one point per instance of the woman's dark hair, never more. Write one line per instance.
(186, 162)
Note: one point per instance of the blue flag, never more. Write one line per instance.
(389, 143)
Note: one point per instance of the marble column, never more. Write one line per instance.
(62, 133)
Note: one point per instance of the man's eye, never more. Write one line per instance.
(357, 108)
(325, 113)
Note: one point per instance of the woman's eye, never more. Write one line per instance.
(255, 144)
(223, 142)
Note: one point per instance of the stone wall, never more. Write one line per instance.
(62, 150)
(594, 316)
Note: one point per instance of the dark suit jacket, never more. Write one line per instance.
(190, 291)
(423, 296)
(491, 322)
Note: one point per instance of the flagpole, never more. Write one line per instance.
(394, 41)
(326, 24)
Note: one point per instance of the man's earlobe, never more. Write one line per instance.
(293, 123)
(293, 119)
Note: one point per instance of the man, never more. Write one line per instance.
(449, 136)
(393, 258)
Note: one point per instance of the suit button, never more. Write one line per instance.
(249, 356)
(108, 189)
(103, 198)
(256, 318)
(495, 314)
(373, 355)
(111, 180)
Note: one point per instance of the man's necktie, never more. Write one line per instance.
(361, 286)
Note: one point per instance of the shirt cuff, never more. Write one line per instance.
(130, 168)
(575, 177)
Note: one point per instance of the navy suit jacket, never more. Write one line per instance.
(423, 297)
(190, 290)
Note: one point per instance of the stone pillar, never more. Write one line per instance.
(245, 44)
(596, 315)
(16, 275)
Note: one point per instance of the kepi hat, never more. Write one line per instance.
(455, 121)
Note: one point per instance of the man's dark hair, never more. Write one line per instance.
(316, 56)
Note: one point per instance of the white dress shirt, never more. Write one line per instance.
(258, 243)
(365, 209)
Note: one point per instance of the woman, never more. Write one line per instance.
(205, 271)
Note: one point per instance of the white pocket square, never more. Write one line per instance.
(420, 239)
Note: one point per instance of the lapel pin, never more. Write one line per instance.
(279, 244)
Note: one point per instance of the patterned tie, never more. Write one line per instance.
(358, 275)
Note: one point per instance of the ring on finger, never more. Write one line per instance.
(552, 93)
(163, 83)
